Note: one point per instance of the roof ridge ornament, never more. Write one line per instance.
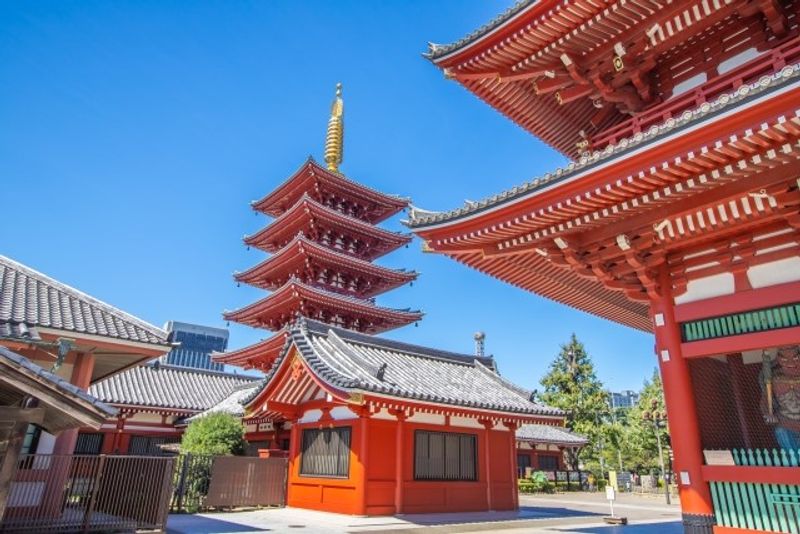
(334, 140)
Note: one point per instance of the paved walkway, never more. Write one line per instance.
(573, 512)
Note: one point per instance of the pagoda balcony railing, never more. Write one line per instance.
(760, 492)
(787, 53)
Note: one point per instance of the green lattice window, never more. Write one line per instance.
(742, 323)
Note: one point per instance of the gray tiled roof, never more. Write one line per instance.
(29, 298)
(352, 361)
(436, 51)
(232, 404)
(166, 386)
(550, 434)
(18, 331)
(748, 92)
(23, 364)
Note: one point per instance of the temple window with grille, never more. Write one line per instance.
(445, 456)
(326, 452)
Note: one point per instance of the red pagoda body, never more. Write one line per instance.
(323, 242)
(677, 215)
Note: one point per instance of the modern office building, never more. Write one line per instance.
(197, 342)
(623, 399)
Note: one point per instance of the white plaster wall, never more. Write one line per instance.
(311, 416)
(384, 414)
(774, 273)
(467, 422)
(427, 418)
(707, 287)
(140, 417)
(47, 443)
(341, 413)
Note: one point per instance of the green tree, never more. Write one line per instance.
(572, 385)
(641, 445)
(216, 433)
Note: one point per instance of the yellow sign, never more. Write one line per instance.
(612, 479)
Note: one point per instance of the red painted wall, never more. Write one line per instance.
(343, 495)
(324, 493)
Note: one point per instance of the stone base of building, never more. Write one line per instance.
(698, 524)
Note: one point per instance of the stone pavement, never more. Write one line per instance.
(573, 512)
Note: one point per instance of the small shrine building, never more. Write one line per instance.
(380, 427)
(677, 215)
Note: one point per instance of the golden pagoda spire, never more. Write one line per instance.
(334, 141)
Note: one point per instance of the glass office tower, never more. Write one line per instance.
(197, 342)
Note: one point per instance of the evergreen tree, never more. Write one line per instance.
(640, 439)
(572, 385)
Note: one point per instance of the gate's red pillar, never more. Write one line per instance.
(696, 505)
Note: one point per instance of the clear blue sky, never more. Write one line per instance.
(135, 134)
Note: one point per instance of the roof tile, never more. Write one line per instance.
(166, 386)
(30, 298)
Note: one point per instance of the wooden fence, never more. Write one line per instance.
(769, 507)
(88, 493)
(247, 481)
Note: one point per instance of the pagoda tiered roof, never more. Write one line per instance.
(258, 355)
(568, 71)
(331, 189)
(296, 299)
(322, 224)
(309, 261)
(323, 241)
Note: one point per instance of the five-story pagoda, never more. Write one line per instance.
(323, 242)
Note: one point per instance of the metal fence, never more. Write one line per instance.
(191, 478)
(87, 493)
(204, 481)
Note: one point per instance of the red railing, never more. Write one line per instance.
(787, 53)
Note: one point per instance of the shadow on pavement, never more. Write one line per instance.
(672, 527)
(191, 524)
(524, 513)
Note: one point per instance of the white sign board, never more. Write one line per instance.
(611, 493)
(719, 458)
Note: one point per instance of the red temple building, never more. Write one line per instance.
(678, 215)
(75, 336)
(323, 242)
(371, 426)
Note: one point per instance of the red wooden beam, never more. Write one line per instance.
(754, 299)
(742, 342)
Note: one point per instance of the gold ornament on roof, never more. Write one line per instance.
(334, 141)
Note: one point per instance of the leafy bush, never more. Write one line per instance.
(216, 433)
(537, 483)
